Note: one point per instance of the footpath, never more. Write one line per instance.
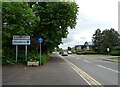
(54, 72)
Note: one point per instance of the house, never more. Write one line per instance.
(79, 47)
(87, 46)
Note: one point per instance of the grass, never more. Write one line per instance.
(118, 59)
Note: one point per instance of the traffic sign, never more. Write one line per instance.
(108, 49)
(21, 42)
(18, 37)
(40, 40)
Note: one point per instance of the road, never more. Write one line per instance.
(64, 70)
(104, 72)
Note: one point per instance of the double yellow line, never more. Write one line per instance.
(92, 82)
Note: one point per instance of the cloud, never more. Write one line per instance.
(82, 38)
(93, 14)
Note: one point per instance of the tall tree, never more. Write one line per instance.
(55, 18)
(48, 20)
(17, 19)
(69, 48)
(108, 38)
(97, 40)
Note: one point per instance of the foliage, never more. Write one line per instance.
(69, 48)
(33, 57)
(55, 18)
(105, 39)
(44, 58)
(115, 51)
(59, 49)
(36, 57)
(17, 19)
(48, 20)
(8, 57)
(86, 52)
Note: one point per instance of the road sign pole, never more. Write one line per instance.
(40, 54)
(16, 52)
(26, 52)
(40, 40)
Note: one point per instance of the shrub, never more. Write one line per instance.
(36, 57)
(115, 51)
(8, 56)
(44, 58)
(86, 52)
(33, 57)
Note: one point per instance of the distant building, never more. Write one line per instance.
(87, 46)
(79, 47)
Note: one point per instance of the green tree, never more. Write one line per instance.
(97, 40)
(48, 20)
(108, 38)
(55, 18)
(17, 19)
(69, 48)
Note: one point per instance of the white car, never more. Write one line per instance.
(64, 53)
(69, 52)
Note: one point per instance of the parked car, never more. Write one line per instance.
(64, 53)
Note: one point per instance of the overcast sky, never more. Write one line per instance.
(93, 14)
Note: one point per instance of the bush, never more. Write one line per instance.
(115, 51)
(36, 57)
(8, 56)
(86, 52)
(44, 58)
(33, 57)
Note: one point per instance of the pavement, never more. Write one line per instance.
(54, 72)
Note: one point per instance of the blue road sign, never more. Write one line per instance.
(40, 40)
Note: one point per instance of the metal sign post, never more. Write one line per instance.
(16, 52)
(40, 54)
(40, 40)
(21, 40)
(26, 52)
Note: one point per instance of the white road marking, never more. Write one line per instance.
(86, 61)
(109, 69)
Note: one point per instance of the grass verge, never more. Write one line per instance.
(117, 59)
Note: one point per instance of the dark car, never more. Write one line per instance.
(60, 52)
